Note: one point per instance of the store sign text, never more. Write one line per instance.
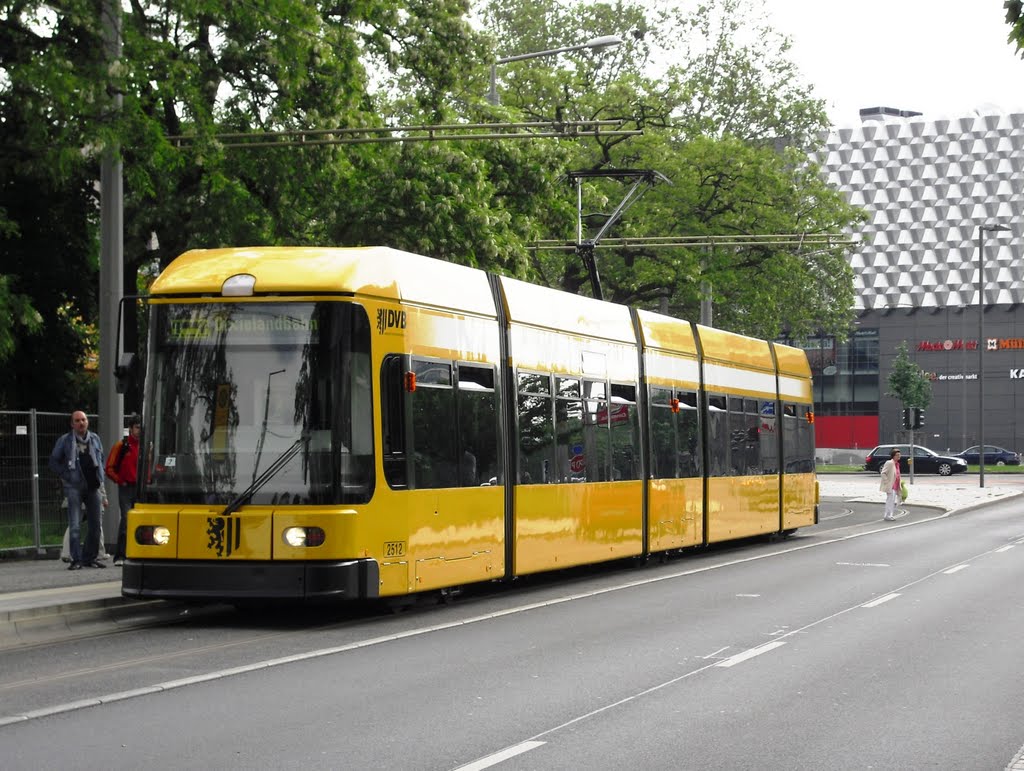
(948, 345)
(933, 376)
(1006, 344)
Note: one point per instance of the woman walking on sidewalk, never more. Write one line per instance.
(890, 484)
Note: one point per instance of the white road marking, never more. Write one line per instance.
(748, 595)
(880, 600)
(1017, 764)
(865, 564)
(715, 654)
(749, 654)
(956, 569)
(1005, 548)
(498, 757)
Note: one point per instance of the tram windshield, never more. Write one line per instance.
(267, 400)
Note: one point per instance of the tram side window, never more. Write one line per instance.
(536, 429)
(664, 440)
(805, 432)
(576, 461)
(675, 435)
(797, 439)
(718, 436)
(737, 437)
(752, 428)
(597, 437)
(689, 449)
(625, 432)
(433, 426)
(768, 437)
(393, 420)
(478, 427)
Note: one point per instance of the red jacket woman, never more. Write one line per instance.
(122, 467)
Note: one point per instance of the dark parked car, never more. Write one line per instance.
(994, 456)
(925, 461)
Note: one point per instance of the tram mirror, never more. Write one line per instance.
(125, 372)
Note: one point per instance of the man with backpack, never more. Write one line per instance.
(122, 468)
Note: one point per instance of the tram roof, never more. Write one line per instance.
(374, 271)
(734, 349)
(667, 333)
(792, 361)
(541, 306)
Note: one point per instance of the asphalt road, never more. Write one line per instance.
(856, 644)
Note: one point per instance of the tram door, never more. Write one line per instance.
(442, 461)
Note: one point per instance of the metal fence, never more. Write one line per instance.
(31, 496)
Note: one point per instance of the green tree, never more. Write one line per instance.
(199, 68)
(725, 119)
(16, 311)
(908, 382)
(1015, 18)
(728, 121)
(49, 73)
(48, 287)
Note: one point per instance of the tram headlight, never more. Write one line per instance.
(152, 535)
(304, 536)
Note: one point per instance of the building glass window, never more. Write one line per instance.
(846, 375)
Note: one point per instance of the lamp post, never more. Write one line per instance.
(597, 43)
(981, 345)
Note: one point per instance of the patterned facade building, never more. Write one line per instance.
(928, 186)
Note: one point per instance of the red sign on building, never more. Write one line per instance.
(947, 345)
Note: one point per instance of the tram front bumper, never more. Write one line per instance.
(250, 580)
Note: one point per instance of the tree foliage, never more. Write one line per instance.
(1015, 18)
(728, 121)
(198, 69)
(724, 113)
(908, 382)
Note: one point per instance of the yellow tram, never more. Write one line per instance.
(350, 423)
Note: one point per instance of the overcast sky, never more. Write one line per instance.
(938, 57)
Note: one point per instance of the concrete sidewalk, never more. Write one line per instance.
(954, 493)
(42, 601)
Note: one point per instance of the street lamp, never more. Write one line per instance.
(597, 43)
(981, 345)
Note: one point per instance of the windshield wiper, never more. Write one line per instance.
(266, 476)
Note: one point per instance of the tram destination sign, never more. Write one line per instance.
(212, 325)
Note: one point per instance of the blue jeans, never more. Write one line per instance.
(76, 500)
(125, 501)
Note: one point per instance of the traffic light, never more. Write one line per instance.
(918, 418)
(907, 418)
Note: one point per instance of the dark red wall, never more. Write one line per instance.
(846, 431)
